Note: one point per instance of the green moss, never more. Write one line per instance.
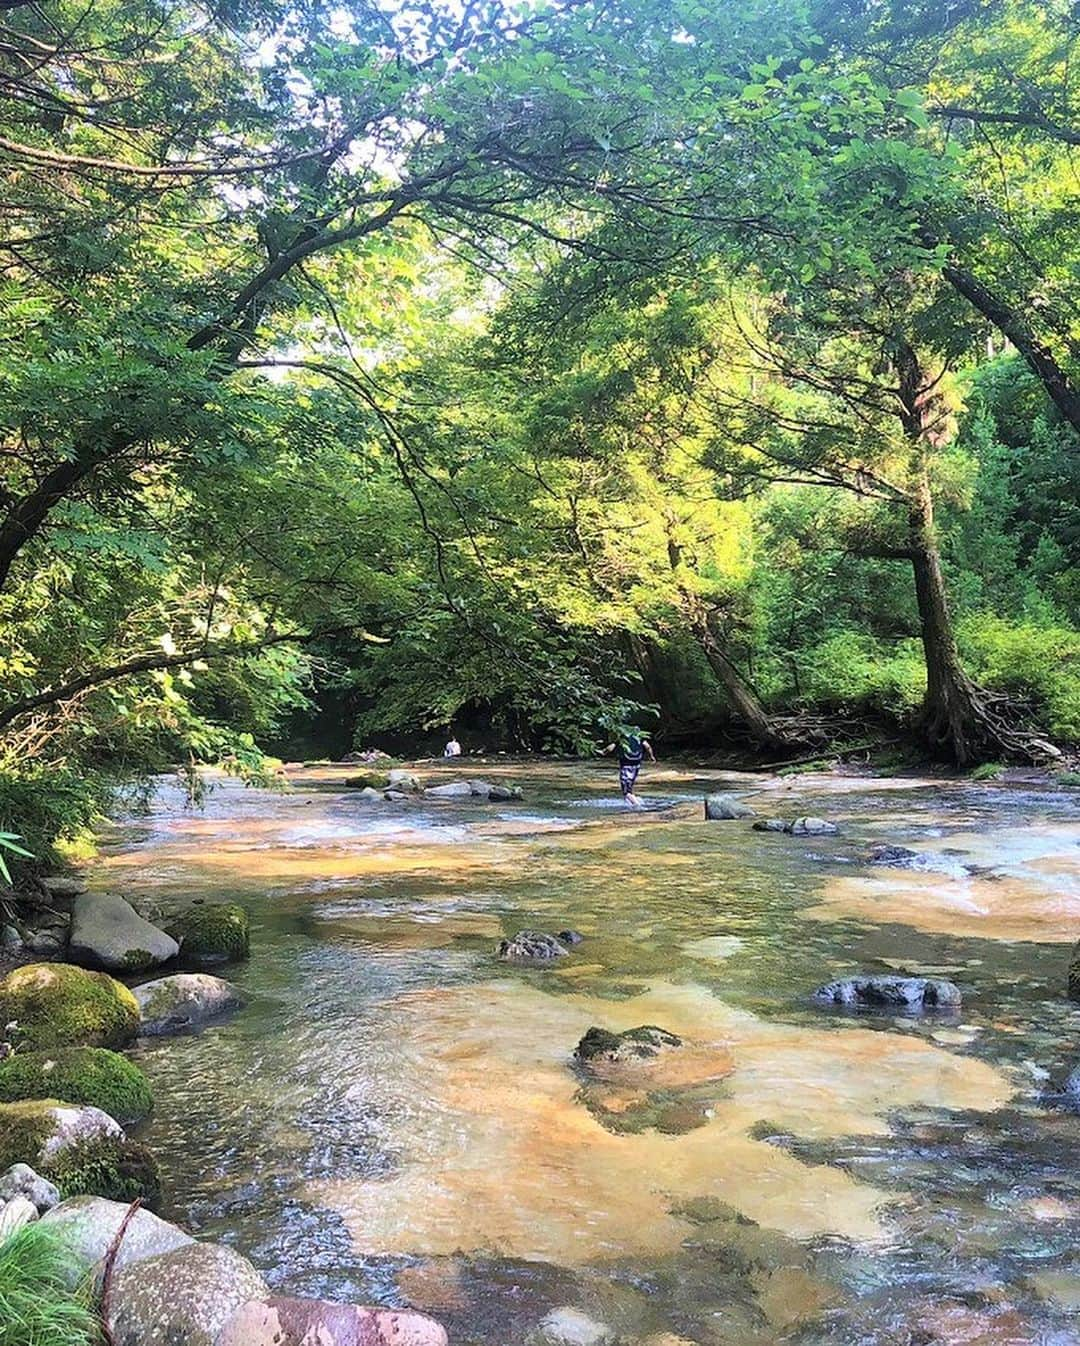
(111, 1166)
(137, 960)
(375, 780)
(987, 771)
(55, 1005)
(1068, 778)
(119, 1170)
(24, 1129)
(212, 932)
(90, 1075)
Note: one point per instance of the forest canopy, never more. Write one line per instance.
(535, 367)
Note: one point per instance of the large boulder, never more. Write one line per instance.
(404, 780)
(366, 780)
(908, 994)
(316, 1322)
(92, 1075)
(455, 789)
(184, 1001)
(724, 807)
(81, 1150)
(56, 1005)
(183, 1297)
(87, 1227)
(531, 946)
(21, 1180)
(109, 933)
(211, 933)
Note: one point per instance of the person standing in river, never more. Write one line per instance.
(633, 747)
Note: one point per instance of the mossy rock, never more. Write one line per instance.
(57, 1005)
(210, 933)
(102, 1168)
(79, 1149)
(368, 780)
(90, 1075)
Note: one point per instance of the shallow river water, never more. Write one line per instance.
(394, 1116)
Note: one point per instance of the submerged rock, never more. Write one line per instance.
(317, 1322)
(905, 993)
(571, 1327)
(504, 794)
(107, 932)
(569, 937)
(723, 807)
(21, 1180)
(82, 1150)
(531, 946)
(899, 857)
(183, 1297)
(634, 1045)
(211, 933)
(1074, 973)
(86, 1075)
(455, 789)
(811, 827)
(770, 825)
(87, 1227)
(56, 1005)
(186, 1000)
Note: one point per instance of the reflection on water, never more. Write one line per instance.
(396, 1116)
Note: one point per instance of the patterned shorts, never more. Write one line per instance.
(628, 774)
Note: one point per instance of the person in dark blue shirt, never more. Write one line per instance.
(633, 747)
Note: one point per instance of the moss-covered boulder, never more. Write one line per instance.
(210, 933)
(56, 1005)
(368, 780)
(92, 1075)
(81, 1150)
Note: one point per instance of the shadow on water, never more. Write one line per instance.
(394, 1115)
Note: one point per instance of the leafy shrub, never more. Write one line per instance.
(1037, 665)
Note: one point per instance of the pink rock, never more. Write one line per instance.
(317, 1322)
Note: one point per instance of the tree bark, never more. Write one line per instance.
(955, 720)
(1011, 324)
(740, 695)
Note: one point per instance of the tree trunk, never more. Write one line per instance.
(956, 720)
(741, 697)
(952, 714)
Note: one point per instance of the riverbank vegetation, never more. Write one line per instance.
(537, 368)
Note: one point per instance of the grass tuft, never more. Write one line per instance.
(36, 1307)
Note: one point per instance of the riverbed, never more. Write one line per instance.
(394, 1116)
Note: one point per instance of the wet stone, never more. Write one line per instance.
(722, 807)
(317, 1322)
(531, 946)
(811, 827)
(770, 825)
(912, 994)
(635, 1044)
(572, 1327)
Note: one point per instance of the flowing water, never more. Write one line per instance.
(394, 1116)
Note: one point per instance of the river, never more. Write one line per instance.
(394, 1116)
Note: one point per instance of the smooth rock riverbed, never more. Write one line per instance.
(394, 1116)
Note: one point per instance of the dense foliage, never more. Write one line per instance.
(535, 366)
